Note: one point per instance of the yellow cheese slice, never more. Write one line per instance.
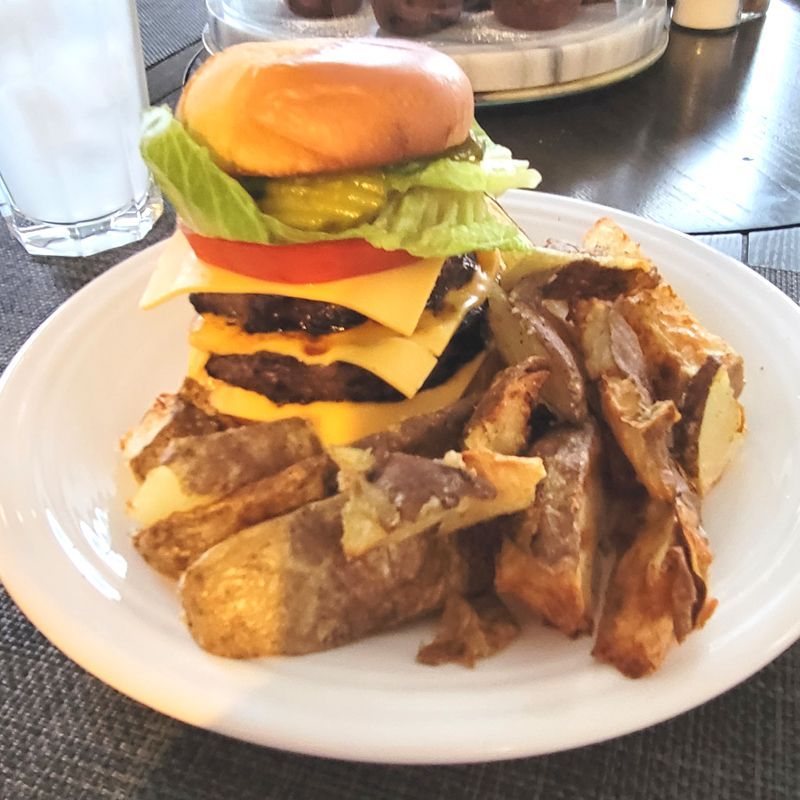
(398, 360)
(335, 423)
(395, 297)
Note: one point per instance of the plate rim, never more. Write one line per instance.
(297, 742)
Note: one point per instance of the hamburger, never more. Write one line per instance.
(337, 231)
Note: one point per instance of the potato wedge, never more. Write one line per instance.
(643, 430)
(170, 417)
(196, 470)
(170, 545)
(649, 599)
(587, 278)
(658, 592)
(501, 419)
(711, 427)
(605, 245)
(523, 327)
(285, 586)
(609, 345)
(699, 372)
(397, 496)
(606, 238)
(675, 344)
(429, 435)
(548, 562)
(694, 542)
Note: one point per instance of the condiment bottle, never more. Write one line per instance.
(754, 9)
(707, 15)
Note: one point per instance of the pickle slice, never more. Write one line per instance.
(469, 150)
(324, 203)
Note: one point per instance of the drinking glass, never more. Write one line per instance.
(72, 89)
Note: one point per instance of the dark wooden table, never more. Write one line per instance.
(706, 140)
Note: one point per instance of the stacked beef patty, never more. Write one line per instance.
(285, 379)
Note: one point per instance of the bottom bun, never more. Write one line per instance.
(335, 422)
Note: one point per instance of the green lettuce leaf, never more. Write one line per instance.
(207, 199)
(496, 172)
(430, 217)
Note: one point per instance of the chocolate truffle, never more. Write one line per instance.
(323, 9)
(535, 15)
(416, 17)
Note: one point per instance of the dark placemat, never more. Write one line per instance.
(32, 288)
(786, 280)
(65, 734)
(168, 26)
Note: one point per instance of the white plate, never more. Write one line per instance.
(95, 365)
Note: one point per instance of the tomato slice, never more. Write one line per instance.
(318, 262)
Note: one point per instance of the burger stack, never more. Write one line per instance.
(337, 231)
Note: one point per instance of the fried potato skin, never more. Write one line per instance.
(548, 562)
(171, 544)
(285, 586)
(675, 343)
(658, 590)
(170, 417)
(399, 496)
(469, 631)
(500, 421)
(650, 592)
(524, 328)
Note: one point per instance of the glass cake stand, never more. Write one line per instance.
(607, 42)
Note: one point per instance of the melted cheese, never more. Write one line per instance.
(395, 297)
(335, 423)
(434, 331)
(398, 360)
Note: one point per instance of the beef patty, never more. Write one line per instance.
(265, 313)
(284, 379)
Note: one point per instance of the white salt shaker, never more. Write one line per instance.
(707, 15)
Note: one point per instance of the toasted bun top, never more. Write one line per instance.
(267, 109)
